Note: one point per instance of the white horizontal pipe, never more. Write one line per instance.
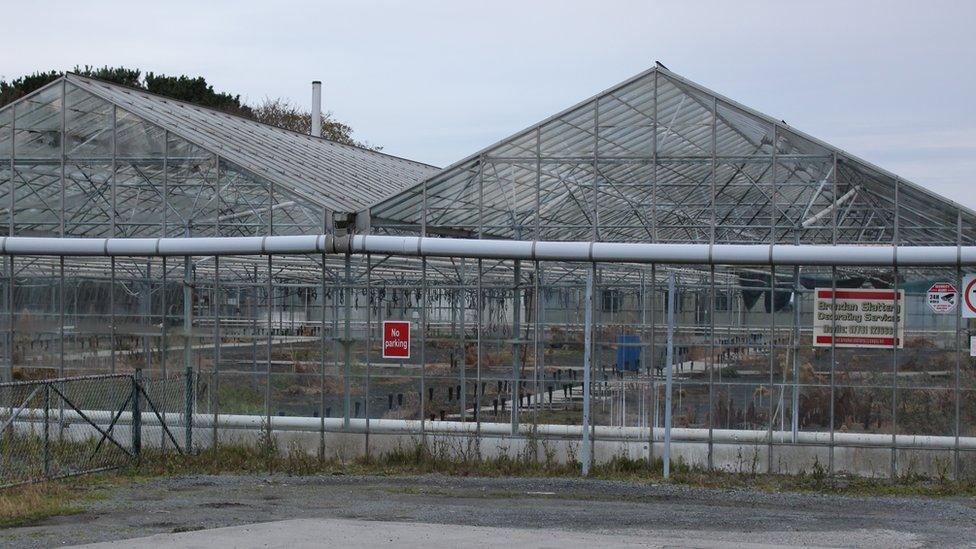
(401, 426)
(697, 254)
(610, 252)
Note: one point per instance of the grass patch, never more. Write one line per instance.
(418, 459)
(29, 504)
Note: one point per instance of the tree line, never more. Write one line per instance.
(274, 111)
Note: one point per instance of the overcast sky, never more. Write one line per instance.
(893, 82)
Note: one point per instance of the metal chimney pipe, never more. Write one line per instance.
(316, 108)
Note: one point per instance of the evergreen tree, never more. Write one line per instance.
(277, 112)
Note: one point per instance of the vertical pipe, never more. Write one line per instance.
(587, 347)
(669, 364)
(316, 108)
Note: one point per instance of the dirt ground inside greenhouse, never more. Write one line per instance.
(438, 511)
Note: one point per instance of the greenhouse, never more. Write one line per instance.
(498, 343)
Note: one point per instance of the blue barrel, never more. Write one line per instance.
(628, 353)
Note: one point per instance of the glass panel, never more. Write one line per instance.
(191, 189)
(87, 125)
(87, 199)
(137, 138)
(38, 125)
(6, 138)
(38, 199)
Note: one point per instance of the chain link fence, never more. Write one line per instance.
(56, 428)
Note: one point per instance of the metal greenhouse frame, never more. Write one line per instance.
(145, 233)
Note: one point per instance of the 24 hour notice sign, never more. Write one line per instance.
(865, 318)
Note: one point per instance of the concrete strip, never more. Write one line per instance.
(301, 533)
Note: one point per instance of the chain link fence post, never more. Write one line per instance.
(136, 414)
(47, 438)
(188, 410)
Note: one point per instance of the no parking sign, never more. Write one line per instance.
(396, 339)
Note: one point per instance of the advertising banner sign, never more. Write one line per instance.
(864, 318)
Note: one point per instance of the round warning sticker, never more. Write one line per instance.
(942, 297)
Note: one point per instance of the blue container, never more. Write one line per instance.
(628, 353)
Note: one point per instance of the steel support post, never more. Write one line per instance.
(647, 365)
(669, 373)
(772, 369)
(327, 228)
(585, 456)
(959, 350)
(423, 351)
(831, 466)
(516, 393)
(711, 365)
(215, 382)
(463, 360)
(795, 405)
(347, 344)
(164, 344)
(369, 343)
(267, 365)
(833, 365)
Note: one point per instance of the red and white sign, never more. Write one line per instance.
(865, 318)
(969, 296)
(396, 339)
(942, 298)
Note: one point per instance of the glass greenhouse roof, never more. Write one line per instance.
(656, 158)
(659, 158)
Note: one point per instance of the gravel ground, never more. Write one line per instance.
(605, 507)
